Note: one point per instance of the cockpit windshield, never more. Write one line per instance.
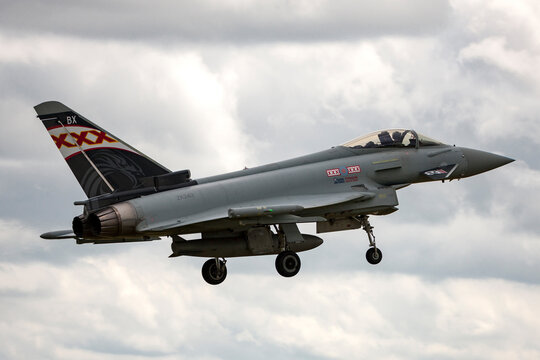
(391, 138)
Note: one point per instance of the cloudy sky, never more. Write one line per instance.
(214, 86)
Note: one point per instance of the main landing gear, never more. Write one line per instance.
(374, 254)
(288, 263)
(214, 271)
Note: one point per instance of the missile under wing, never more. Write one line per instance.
(252, 211)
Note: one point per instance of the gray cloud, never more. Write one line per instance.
(217, 86)
(231, 21)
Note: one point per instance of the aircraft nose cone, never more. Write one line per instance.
(481, 161)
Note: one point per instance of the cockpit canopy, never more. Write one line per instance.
(392, 138)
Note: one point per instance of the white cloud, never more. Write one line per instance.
(136, 304)
(189, 111)
(459, 277)
(494, 51)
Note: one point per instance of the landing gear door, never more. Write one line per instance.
(260, 241)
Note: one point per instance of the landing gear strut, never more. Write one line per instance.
(373, 255)
(288, 262)
(214, 271)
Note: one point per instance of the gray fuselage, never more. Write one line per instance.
(381, 171)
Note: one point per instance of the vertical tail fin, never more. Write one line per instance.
(101, 162)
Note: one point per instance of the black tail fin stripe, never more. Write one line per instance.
(99, 160)
(77, 143)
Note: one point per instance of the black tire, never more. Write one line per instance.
(373, 257)
(288, 263)
(211, 274)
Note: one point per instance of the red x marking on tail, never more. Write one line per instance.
(81, 138)
(61, 140)
(101, 136)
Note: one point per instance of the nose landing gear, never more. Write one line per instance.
(374, 254)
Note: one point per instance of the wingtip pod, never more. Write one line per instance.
(58, 235)
(51, 107)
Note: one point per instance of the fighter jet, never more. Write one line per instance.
(249, 212)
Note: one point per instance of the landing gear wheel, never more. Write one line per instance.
(287, 263)
(214, 271)
(374, 256)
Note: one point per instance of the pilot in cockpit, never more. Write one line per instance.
(385, 138)
(392, 138)
(397, 137)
